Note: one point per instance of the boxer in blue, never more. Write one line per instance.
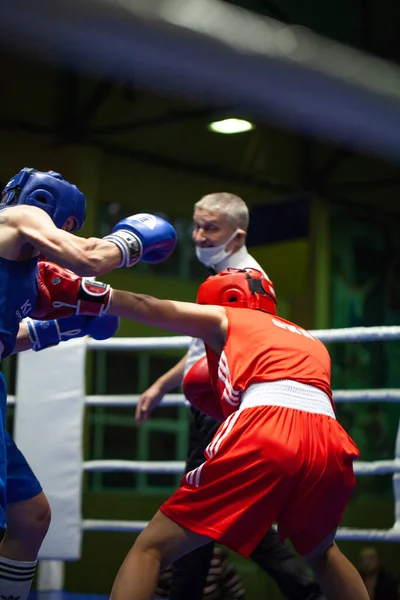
(39, 214)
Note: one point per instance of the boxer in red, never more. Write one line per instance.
(279, 454)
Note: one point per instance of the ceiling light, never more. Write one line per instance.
(231, 126)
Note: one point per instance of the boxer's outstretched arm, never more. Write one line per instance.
(196, 320)
(84, 256)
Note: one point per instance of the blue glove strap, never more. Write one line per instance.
(43, 334)
(50, 333)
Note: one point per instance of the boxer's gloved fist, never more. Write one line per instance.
(198, 390)
(143, 237)
(50, 333)
(61, 294)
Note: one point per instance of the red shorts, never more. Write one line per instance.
(269, 464)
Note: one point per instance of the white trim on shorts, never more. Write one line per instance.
(290, 394)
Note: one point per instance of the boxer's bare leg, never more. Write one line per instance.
(159, 545)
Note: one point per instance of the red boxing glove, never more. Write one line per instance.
(61, 294)
(199, 392)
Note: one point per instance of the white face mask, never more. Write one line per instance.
(211, 257)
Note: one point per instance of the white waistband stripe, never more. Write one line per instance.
(290, 394)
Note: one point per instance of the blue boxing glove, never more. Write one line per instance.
(50, 333)
(144, 237)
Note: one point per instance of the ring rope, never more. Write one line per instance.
(340, 396)
(346, 334)
(130, 400)
(343, 533)
(379, 467)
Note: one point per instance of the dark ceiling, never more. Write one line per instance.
(171, 131)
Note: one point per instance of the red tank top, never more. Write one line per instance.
(261, 347)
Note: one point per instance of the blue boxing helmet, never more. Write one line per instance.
(48, 191)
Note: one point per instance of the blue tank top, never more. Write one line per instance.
(18, 295)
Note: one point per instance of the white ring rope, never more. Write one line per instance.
(131, 400)
(358, 334)
(340, 396)
(135, 466)
(379, 467)
(386, 395)
(343, 533)
(347, 334)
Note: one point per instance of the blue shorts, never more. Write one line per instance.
(21, 483)
(17, 480)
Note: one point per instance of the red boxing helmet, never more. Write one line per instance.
(241, 288)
